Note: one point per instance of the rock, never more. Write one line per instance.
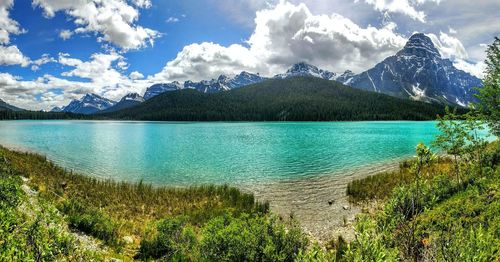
(346, 207)
(330, 202)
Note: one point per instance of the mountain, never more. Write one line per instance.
(419, 72)
(290, 99)
(130, 100)
(88, 104)
(5, 106)
(304, 69)
(57, 109)
(222, 83)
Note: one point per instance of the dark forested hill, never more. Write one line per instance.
(293, 99)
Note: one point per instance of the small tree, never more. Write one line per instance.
(489, 94)
(453, 137)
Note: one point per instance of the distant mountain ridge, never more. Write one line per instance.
(222, 83)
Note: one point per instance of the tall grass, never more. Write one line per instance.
(124, 209)
(381, 185)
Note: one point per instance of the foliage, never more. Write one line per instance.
(248, 238)
(110, 210)
(369, 245)
(92, 221)
(28, 233)
(380, 186)
(173, 240)
(489, 94)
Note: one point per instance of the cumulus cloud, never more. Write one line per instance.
(113, 20)
(452, 48)
(136, 75)
(99, 75)
(11, 55)
(65, 34)
(286, 34)
(406, 7)
(44, 59)
(7, 25)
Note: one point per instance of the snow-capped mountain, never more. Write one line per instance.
(157, 89)
(5, 106)
(89, 104)
(57, 109)
(130, 100)
(222, 83)
(346, 77)
(304, 69)
(419, 72)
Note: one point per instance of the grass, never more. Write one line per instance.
(381, 185)
(110, 210)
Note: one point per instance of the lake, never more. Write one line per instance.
(187, 153)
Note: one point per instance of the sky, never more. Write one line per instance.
(54, 51)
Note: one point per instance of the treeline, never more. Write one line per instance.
(38, 115)
(294, 99)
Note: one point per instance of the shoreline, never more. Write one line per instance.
(318, 203)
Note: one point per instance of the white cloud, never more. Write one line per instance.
(142, 3)
(7, 25)
(98, 75)
(11, 55)
(452, 48)
(449, 46)
(475, 69)
(44, 59)
(406, 7)
(286, 34)
(65, 34)
(136, 75)
(113, 20)
(172, 20)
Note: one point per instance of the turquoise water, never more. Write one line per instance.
(170, 153)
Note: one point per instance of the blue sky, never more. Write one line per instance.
(53, 51)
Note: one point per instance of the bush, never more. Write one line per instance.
(251, 239)
(174, 240)
(92, 221)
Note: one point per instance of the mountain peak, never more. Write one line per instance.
(305, 69)
(301, 67)
(133, 97)
(419, 45)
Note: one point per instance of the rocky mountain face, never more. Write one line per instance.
(418, 72)
(222, 83)
(88, 104)
(304, 69)
(130, 100)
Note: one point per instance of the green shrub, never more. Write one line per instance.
(174, 240)
(92, 221)
(10, 191)
(370, 244)
(251, 239)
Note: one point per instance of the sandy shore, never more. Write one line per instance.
(320, 204)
